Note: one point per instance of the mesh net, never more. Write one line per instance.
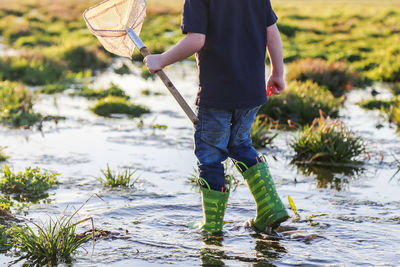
(110, 19)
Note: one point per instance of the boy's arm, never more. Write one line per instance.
(190, 44)
(274, 47)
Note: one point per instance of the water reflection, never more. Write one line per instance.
(331, 177)
(268, 249)
(212, 252)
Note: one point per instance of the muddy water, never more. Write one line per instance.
(148, 223)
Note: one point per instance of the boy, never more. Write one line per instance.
(230, 40)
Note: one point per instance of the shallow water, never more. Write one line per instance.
(148, 223)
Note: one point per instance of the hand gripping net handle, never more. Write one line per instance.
(117, 24)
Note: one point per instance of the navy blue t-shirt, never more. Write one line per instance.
(232, 61)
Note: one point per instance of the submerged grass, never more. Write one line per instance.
(118, 179)
(328, 142)
(16, 106)
(30, 185)
(118, 105)
(300, 104)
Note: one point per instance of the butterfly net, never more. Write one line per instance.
(110, 19)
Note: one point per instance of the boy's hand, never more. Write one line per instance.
(154, 63)
(277, 83)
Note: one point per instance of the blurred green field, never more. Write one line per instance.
(56, 46)
(358, 32)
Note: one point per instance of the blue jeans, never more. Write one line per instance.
(221, 134)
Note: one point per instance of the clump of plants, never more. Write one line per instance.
(81, 57)
(300, 104)
(30, 185)
(123, 69)
(327, 142)
(31, 68)
(54, 88)
(118, 105)
(261, 134)
(377, 104)
(113, 90)
(16, 104)
(3, 156)
(119, 178)
(5, 239)
(53, 242)
(337, 77)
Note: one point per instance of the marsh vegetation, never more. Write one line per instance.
(316, 139)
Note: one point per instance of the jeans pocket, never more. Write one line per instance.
(215, 125)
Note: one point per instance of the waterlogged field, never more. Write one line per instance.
(92, 147)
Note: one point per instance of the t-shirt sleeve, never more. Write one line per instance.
(195, 16)
(271, 16)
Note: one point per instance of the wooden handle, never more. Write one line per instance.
(172, 89)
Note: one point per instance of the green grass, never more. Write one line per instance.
(30, 185)
(359, 33)
(117, 179)
(388, 107)
(118, 105)
(51, 243)
(327, 142)
(261, 134)
(31, 69)
(377, 104)
(5, 239)
(300, 104)
(335, 76)
(123, 69)
(16, 104)
(113, 90)
(54, 88)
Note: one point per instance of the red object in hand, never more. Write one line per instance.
(269, 91)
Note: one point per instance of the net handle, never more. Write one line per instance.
(164, 78)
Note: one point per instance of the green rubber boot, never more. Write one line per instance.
(270, 209)
(214, 206)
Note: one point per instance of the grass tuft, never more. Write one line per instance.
(336, 76)
(16, 104)
(377, 104)
(30, 185)
(31, 68)
(118, 105)
(117, 179)
(51, 243)
(113, 90)
(328, 142)
(300, 104)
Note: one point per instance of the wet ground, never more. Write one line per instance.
(148, 223)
